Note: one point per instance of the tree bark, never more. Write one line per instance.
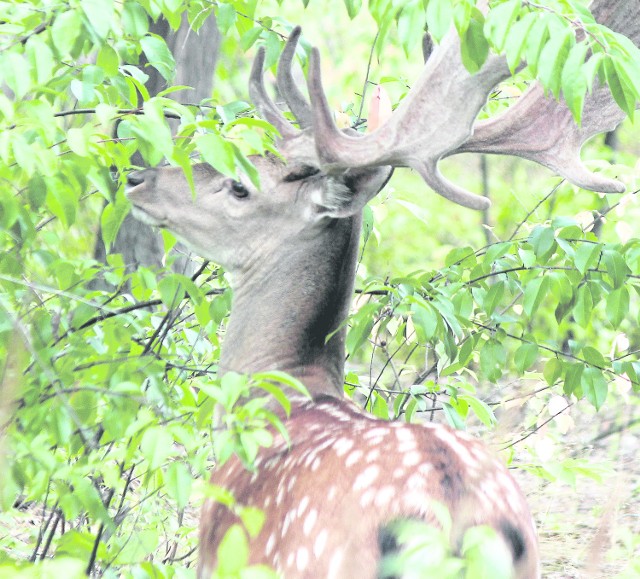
(196, 55)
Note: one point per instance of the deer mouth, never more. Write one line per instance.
(145, 216)
(141, 211)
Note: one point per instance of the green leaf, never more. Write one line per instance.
(543, 241)
(225, 17)
(493, 297)
(552, 371)
(481, 409)
(99, 16)
(594, 386)
(538, 35)
(411, 23)
(112, 217)
(233, 552)
(552, 60)
(248, 39)
(439, 16)
(586, 256)
(499, 21)
(65, 30)
(573, 379)
(362, 323)
(474, 47)
(593, 356)
(253, 520)
(156, 446)
(493, 358)
(618, 306)
(525, 357)
(353, 7)
(616, 267)
(108, 60)
(78, 142)
(574, 82)
(534, 293)
(158, 55)
(134, 19)
(623, 94)
(584, 306)
(425, 319)
(178, 482)
(516, 40)
(217, 152)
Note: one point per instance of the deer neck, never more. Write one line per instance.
(286, 304)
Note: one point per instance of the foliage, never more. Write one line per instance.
(424, 551)
(107, 394)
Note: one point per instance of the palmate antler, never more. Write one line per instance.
(436, 119)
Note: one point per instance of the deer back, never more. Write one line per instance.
(333, 495)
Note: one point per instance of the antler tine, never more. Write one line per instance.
(435, 118)
(288, 88)
(266, 107)
(542, 130)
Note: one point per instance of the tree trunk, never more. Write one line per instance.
(195, 55)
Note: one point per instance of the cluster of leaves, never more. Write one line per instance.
(524, 305)
(560, 41)
(425, 551)
(107, 394)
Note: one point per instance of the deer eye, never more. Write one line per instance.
(238, 189)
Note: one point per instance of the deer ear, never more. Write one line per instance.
(347, 195)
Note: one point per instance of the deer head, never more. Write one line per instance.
(332, 494)
(296, 237)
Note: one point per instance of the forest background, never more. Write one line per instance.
(519, 324)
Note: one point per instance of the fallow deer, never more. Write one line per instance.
(333, 493)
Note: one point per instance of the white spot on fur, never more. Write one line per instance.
(384, 496)
(335, 564)
(332, 492)
(304, 503)
(315, 465)
(514, 503)
(415, 482)
(459, 447)
(334, 412)
(411, 458)
(271, 543)
(425, 469)
(367, 497)
(398, 473)
(404, 434)
(309, 521)
(320, 543)
(302, 559)
(343, 445)
(324, 444)
(353, 458)
(366, 477)
(373, 455)
(407, 446)
(290, 559)
(376, 433)
(287, 521)
(292, 482)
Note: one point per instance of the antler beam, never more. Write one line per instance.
(433, 120)
(542, 129)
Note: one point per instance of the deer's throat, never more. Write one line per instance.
(288, 313)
